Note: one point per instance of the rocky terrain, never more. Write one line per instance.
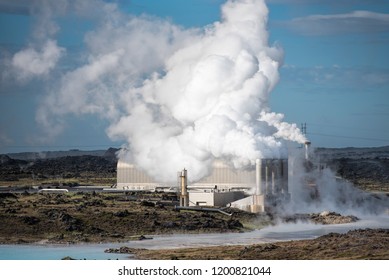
(323, 218)
(119, 217)
(105, 217)
(361, 244)
(28, 217)
(58, 168)
(367, 168)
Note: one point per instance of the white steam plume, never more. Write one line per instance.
(212, 102)
(205, 97)
(31, 63)
(119, 55)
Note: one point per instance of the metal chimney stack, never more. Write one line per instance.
(184, 196)
(307, 145)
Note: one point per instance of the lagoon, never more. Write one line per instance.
(57, 252)
(280, 232)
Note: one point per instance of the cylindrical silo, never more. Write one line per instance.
(268, 177)
(273, 176)
(258, 177)
(277, 167)
(285, 188)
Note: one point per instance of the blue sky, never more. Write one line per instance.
(335, 73)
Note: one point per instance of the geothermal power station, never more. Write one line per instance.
(257, 190)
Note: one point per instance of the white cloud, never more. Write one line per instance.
(334, 24)
(119, 54)
(30, 63)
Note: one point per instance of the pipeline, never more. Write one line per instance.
(203, 209)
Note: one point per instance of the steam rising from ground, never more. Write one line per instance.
(179, 97)
(326, 192)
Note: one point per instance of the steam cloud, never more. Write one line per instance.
(179, 97)
(329, 193)
(31, 63)
(211, 101)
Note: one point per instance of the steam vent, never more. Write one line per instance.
(257, 190)
(271, 188)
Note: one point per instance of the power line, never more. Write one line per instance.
(343, 127)
(304, 128)
(349, 137)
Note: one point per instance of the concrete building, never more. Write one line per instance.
(215, 197)
(223, 176)
(129, 177)
(256, 190)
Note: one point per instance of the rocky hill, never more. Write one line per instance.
(367, 168)
(59, 169)
(55, 154)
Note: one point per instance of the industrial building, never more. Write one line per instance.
(253, 190)
(271, 187)
(129, 177)
(214, 197)
(223, 176)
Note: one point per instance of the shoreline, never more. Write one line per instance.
(355, 244)
(361, 244)
(88, 219)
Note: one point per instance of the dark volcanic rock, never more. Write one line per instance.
(74, 165)
(169, 225)
(365, 167)
(324, 218)
(122, 214)
(123, 250)
(327, 217)
(30, 220)
(234, 224)
(147, 203)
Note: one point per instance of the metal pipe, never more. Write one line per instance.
(203, 209)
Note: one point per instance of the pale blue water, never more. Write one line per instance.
(57, 252)
(281, 232)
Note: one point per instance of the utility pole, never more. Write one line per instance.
(304, 128)
(303, 131)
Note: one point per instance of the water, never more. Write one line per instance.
(57, 252)
(281, 232)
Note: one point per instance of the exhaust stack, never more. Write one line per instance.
(184, 196)
(307, 145)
